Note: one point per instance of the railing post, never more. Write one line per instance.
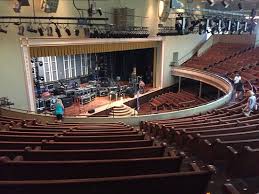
(200, 89)
(179, 84)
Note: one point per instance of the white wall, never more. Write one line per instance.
(186, 45)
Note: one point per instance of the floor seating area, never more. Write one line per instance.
(217, 54)
(171, 102)
(77, 158)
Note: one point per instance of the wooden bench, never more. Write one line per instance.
(93, 154)
(195, 181)
(52, 145)
(51, 170)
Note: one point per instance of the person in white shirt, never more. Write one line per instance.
(237, 79)
(251, 103)
(238, 86)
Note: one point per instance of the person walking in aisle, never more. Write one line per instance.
(59, 111)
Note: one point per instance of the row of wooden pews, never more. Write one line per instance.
(77, 158)
(175, 101)
(224, 136)
(217, 54)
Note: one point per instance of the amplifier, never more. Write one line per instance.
(85, 99)
(67, 101)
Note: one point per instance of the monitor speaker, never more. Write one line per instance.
(91, 111)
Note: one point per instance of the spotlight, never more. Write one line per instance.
(57, 30)
(100, 11)
(31, 29)
(3, 30)
(77, 32)
(21, 30)
(49, 31)
(40, 30)
(225, 3)
(211, 2)
(253, 13)
(240, 7)
(68, 31)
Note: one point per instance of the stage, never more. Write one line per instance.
(100, 104)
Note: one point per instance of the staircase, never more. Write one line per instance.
(121, 111)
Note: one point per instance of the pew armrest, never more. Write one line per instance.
(228, 188)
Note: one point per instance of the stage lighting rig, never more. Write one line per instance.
(19, 4)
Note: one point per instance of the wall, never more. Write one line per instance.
(186, 45)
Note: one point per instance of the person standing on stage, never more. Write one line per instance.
(141, 87)
(59, 111)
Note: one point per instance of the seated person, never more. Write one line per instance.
(251, 104)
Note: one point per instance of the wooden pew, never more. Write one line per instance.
(246, 158)
(61, 130)
(52, 145)
(51, 170)
(70, 133)
(228, 188)
(61, 138)
(192, 182)
(93, 154)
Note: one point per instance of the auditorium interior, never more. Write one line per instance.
(149, 93)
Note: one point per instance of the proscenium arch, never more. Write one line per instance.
(40, 47)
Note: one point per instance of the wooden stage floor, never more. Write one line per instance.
(99, 104)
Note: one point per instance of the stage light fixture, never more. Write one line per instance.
(41, 31)
(68, 31)
(211, 2)
(77, 31)
(31, 29)
(3, 30)
(100, 11)
(21, 30)
(253, 13)
(57, 30)
(240, 6)
(49, 31)
(225, 3)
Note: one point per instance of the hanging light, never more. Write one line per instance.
(21, 30)
(49, 31)
(77, 31)
(57, 30)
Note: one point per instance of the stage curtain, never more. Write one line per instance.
(44, 51)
